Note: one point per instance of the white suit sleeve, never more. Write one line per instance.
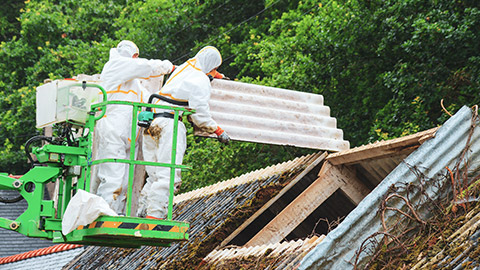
(199, 101)
(160, 67)
(154, 81)
(122, 69)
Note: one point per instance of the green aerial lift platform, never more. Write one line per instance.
(66, 160)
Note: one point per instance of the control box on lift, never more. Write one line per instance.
(65, 101)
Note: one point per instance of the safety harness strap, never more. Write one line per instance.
(166, 115)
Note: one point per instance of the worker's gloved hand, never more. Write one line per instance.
(222, 136)
(176, 187)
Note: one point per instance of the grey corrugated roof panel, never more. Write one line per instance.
(263, 114)
(207, 210)
(337, 250)
(50, 261)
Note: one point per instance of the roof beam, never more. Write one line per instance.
(405, 144)
(331, 178)
(320, 157)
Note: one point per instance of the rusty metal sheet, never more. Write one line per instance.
(263, 114)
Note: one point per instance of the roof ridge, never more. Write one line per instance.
(242, 179)
(38, 253)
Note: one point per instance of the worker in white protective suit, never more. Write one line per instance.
(188, 84)
(121, 77)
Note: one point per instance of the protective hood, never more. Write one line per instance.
(208, 58)
(127, 48)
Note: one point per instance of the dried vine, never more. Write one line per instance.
(420, 225)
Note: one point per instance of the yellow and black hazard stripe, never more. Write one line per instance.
(132, 225)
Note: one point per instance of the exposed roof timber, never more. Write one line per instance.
(262, 114)
(319, 157)
(331, 178)
(382, 149)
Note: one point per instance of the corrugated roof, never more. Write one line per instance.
(256, 113)
(213, 214)
(284, 255)
(337, 250)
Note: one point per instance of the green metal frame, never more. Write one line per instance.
(70, 167)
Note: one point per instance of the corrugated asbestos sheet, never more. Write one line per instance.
(271, 115)
(337, 250)
(213, 212)
(285, 255)
(262, 114)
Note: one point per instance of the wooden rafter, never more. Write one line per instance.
(331, 178)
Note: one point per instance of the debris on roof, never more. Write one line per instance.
(455, 147)
(263, 114)
(213, 213)
(444, 238)
(458, 249)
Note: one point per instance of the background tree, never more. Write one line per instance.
(382, 66)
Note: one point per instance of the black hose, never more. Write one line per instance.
(32, 140)
(14, 200)
(169, 100)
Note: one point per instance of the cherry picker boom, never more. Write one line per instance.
(67, 161)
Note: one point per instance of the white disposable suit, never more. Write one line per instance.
(121, 77)
(188, 82)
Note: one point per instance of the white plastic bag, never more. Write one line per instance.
(83, 209)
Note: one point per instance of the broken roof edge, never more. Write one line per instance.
(272, 250)
(245, 178)
(380, 148)
(338, 249)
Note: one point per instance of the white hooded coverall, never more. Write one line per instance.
(120, 77)
(187, 83)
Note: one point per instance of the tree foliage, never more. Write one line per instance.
(382, 66)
